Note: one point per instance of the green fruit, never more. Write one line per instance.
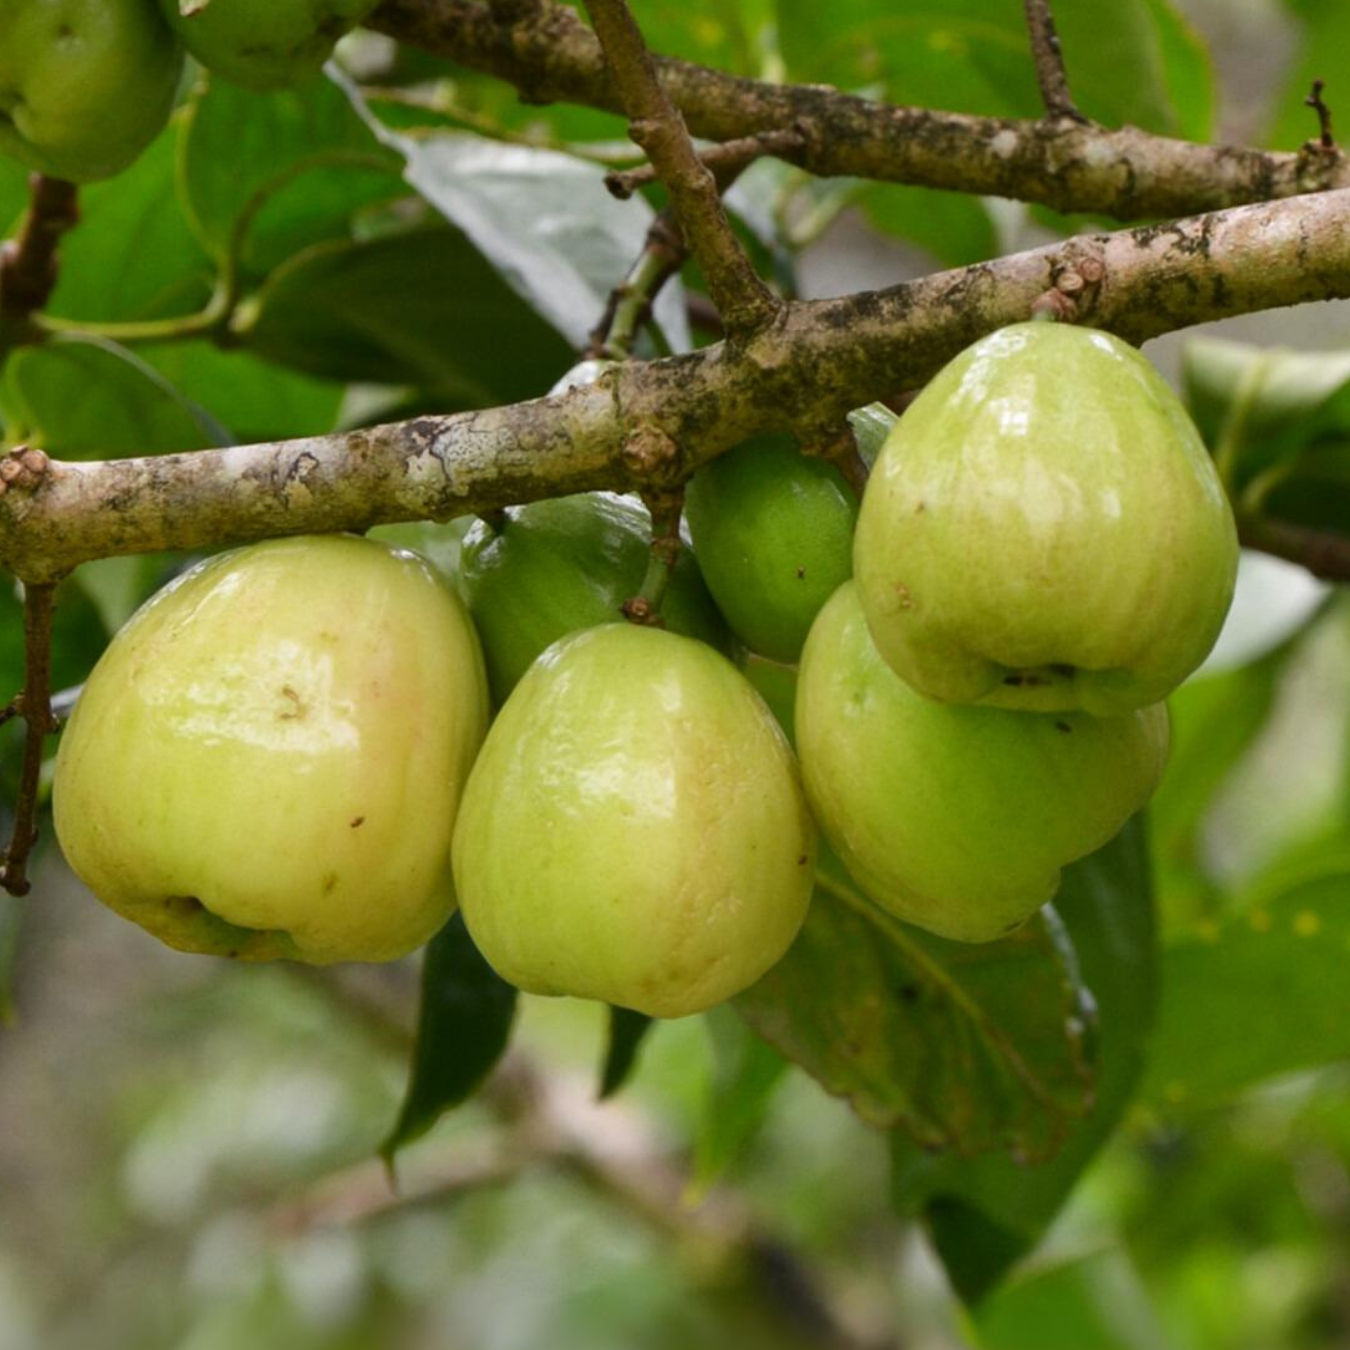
(85, 85)
(557, 566)
(268, 759)
(263, 44)
(773, 529)
(634, 829)
(1044, 530)
(957, 818)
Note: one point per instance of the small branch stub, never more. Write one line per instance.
(1049, 61)
(1326, 139)
(23, 469)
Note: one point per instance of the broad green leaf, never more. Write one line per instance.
(133, 254)
(1262, 994)
(303, 151)
(985, 1213)
(626, 1031)
(955, 229)
(463, 1027)
(746, 1072)
(546, 222)
(964, 1047)
(93, 400)
(1131, 62)
(1325, 30)
(1095, 1301)
(254, 399)
(423, 308)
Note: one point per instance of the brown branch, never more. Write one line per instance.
(28, 262)
(744, 301)
(1327, 141)
(1321, 552)
(726, 160)
(34, 704)
(1125, 173)
(820, 359)
(1049, 61)
(630, 302)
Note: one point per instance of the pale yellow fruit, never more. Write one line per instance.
(634, 829)
(268, 759)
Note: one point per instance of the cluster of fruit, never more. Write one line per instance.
(288, 753)
(86, 85)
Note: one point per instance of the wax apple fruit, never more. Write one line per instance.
(263, 44)
(268, 759)
(85, 85)
(553, 567)
(1044, 530)
(634, 829)
(773, 530)
(957, 818)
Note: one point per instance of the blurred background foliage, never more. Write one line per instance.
(188, 1151)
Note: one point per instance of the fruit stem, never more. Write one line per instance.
(665, 509)
(35, 706)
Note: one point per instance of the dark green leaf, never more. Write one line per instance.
(626, 1030)
(746, 1074)
(1135, 61)
(462, 1029)
(134, 255)
(83, 399)
(968, 1048)
(987, 1212)
(955, 229)
(546, 222)
(305, 150)
(1263, 994)
(423, 308)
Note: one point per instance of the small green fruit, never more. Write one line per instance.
(85, 85)
(773, 530)
(634, 829)
(268, 759)
(957, 818)
(558, 566)
(263, 44)
(1044, 530)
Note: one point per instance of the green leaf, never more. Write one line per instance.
(985, 1213)
(1260, 995)
(304, 150)
(463, 1027)
(547, 223)
(1135, 61)
(746, 1074)
(954, 228)
(626, 1030)
(965, 1047)
(422, 308)
(134, 255)
(82, 398)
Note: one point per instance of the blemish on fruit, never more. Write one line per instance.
(801, 862)
(910, 993)
(297, 708)
(801, 574)
(902, 594)
(358, 821)
(1064, 727)
(330, 882)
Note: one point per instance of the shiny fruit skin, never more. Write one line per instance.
(268, 759)
(1044, 530)
(85, 85)
(263, 44)
(957, 818)
(773, 530)
(570, 563)
(634, 829)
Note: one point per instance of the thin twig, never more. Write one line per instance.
(1321, 552)
(39, 604)
(1049, 61)
(744, 301)
(664, 508)
(630, 303)
(728, 157)
(1314, 100)
(29, 262)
